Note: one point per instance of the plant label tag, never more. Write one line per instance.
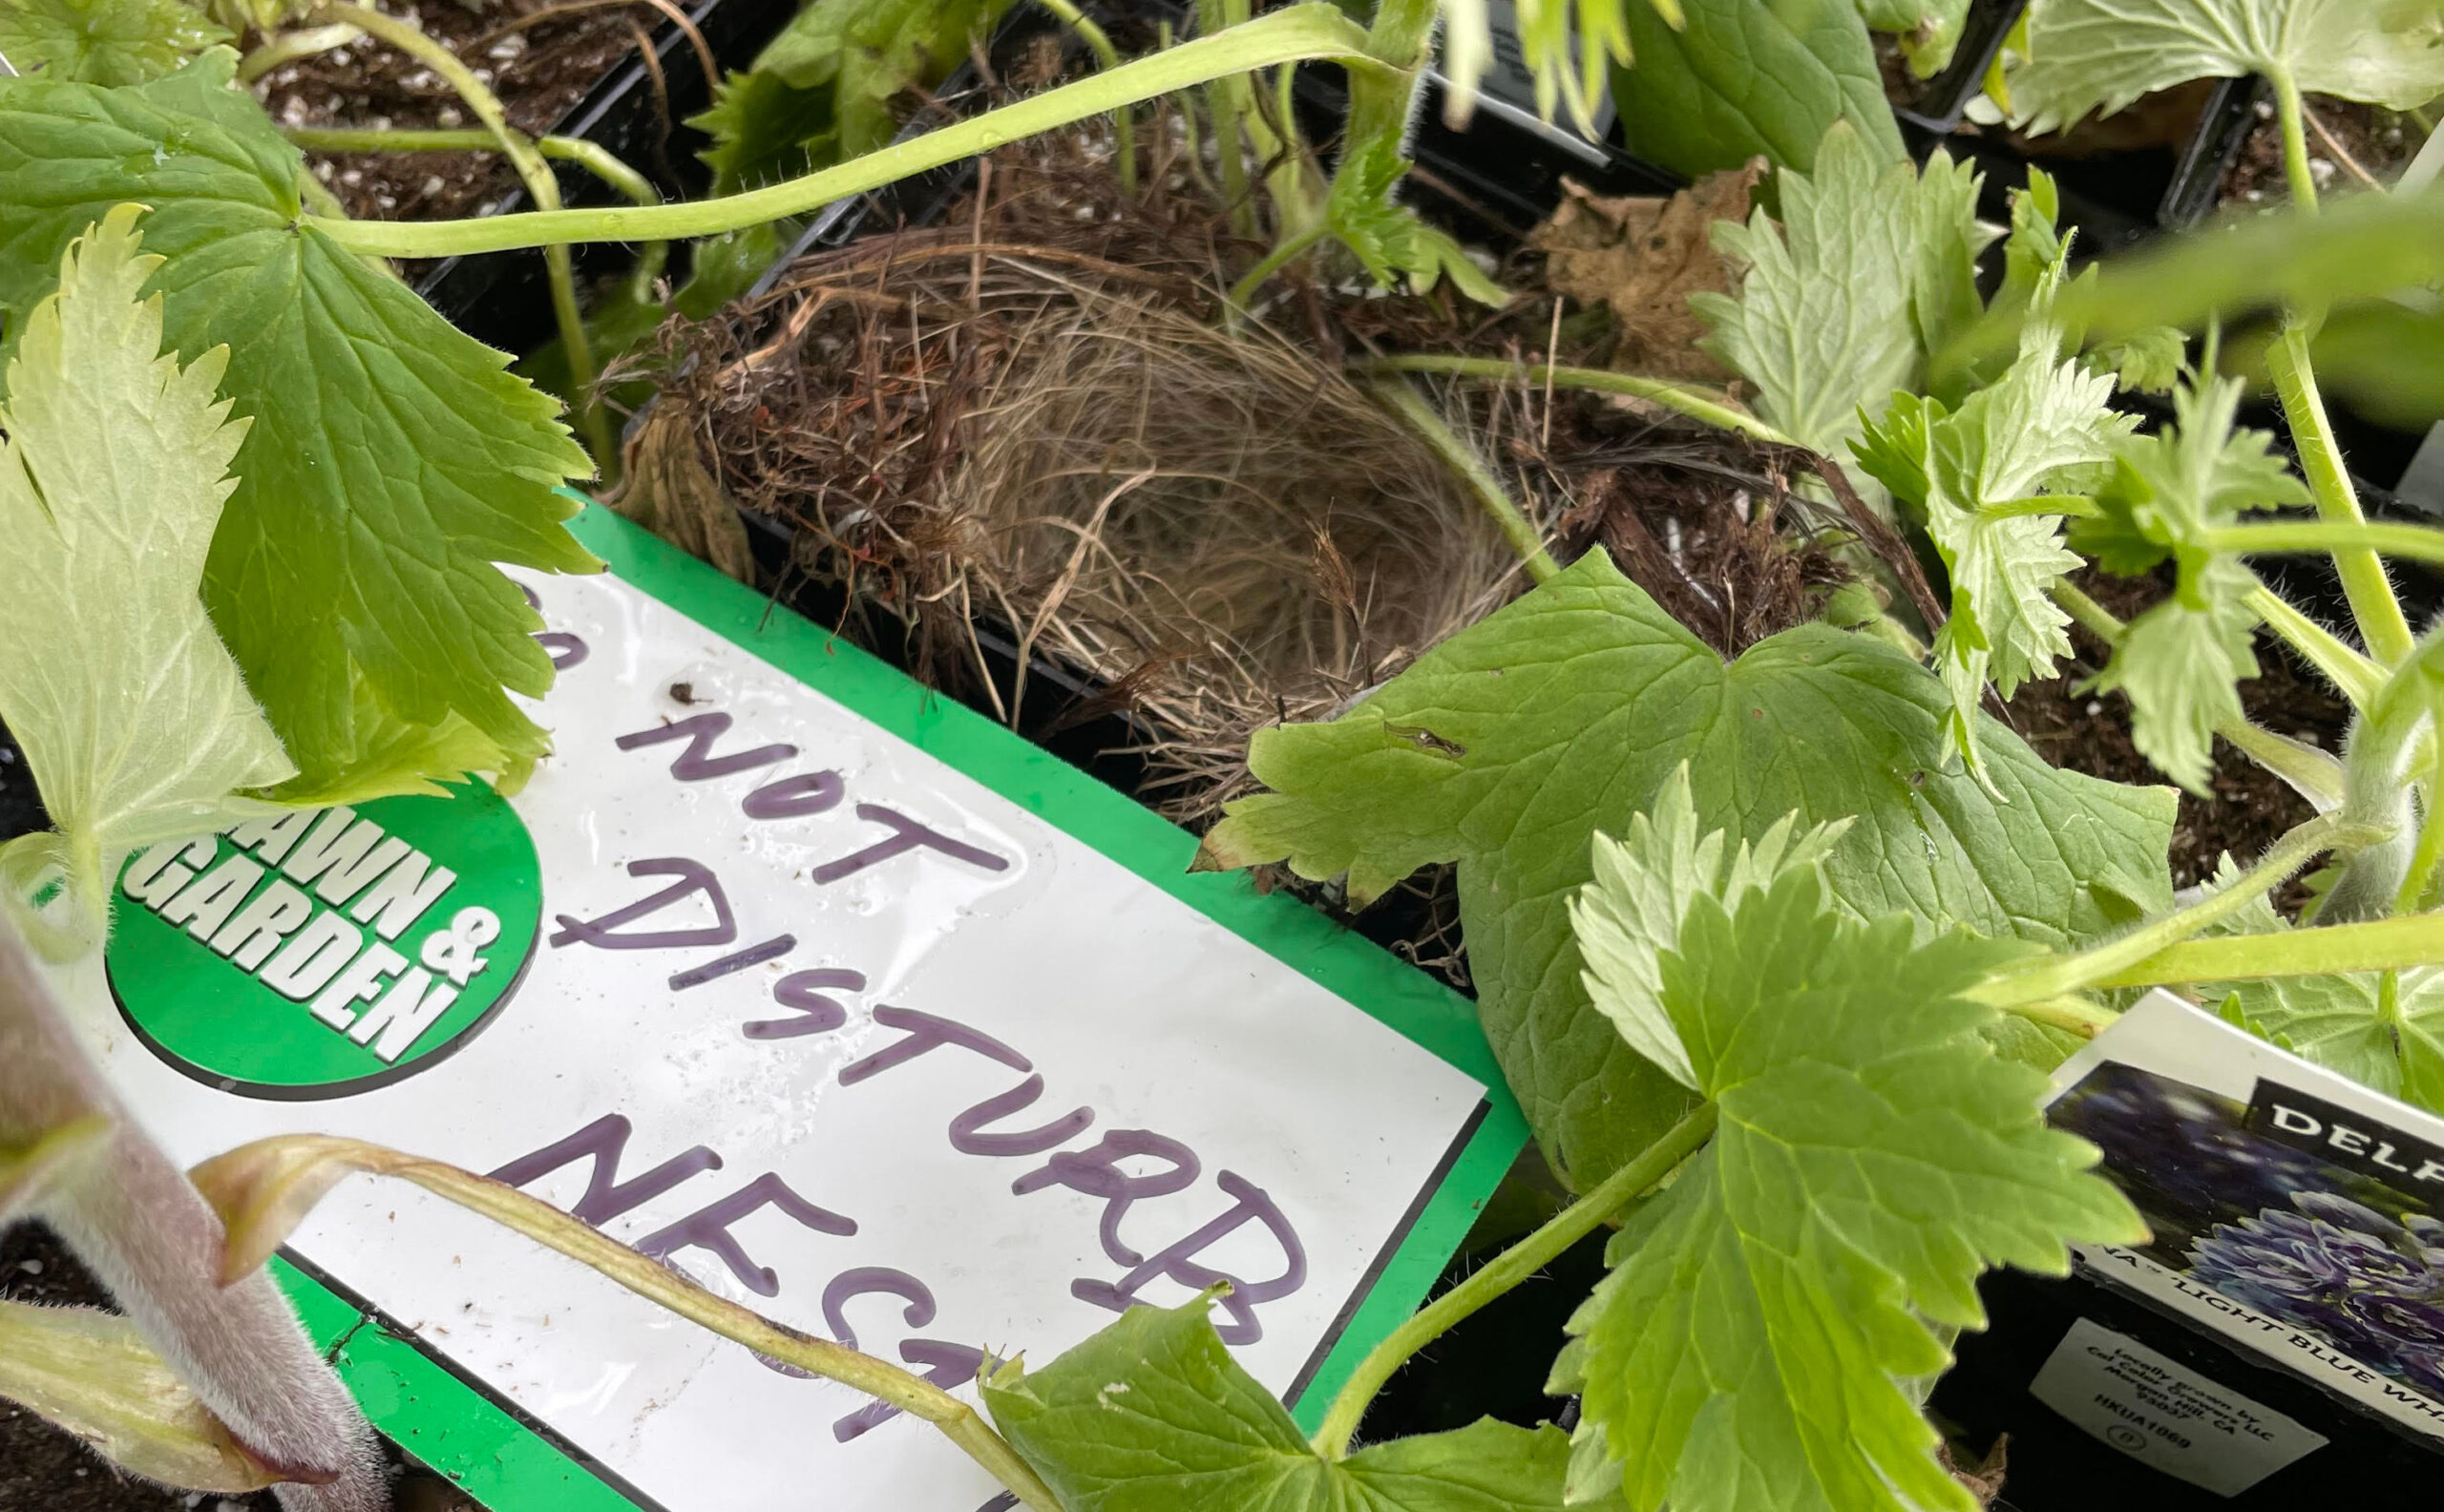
(2296, 1214)
(2161, 1413)
(834, 996)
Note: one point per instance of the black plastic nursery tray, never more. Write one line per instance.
(504, 298)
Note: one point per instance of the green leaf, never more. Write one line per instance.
(2180, 661)
(1387, 238)
(2201, 472)
(2181, 665)
(2099, 56)
(1823, 321)
(391, 460)
(1927, 30)
(1747, 1352)
(765, 129)
(2149, 361)
(1947, 239)
(2382, 1029)
(1630, 913)
(1746, 79)
(1153, 1415)
(2044, 419)
(1508, 746)
(829, 87)
(102, 41)
(134, 720)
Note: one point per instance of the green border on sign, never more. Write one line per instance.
(459, 1432)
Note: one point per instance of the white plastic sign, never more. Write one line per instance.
(851, 1006)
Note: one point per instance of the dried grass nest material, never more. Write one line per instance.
(1222, 528)
(1028, 419)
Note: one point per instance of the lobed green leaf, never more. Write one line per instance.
(1508, 747)
(1153, 1415)
(390, 460)
(136, 722)
(103, 41)
(1747, 1353)
(2099, 56)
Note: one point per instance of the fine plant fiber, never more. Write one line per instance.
(1027, 419)
(1028, 422)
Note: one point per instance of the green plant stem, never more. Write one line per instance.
(2344, 665)
(1296, 204)
(2363, 583)
(2416, 542)
(1124, 127)
(541, 186)
(2378, 770)
(317, 195)
(1507, 1271)
(1244, 292)
(2080, 1015)
(1401, 38)
(2430, 852)
(1307, 31)
(289, 47)
(633, 186)
(1697, 404)
(1516, 527)
(2062, 975)
(2292, 117)
(2387, 944)
(260, 1190)
(2313, 773)
(1230, 144)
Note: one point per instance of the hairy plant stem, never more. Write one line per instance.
(1516, 527)
(1401, 37)
(633, 186)
(1686, 399)
(2386, 742)
(2363, 583)
(2077, 1014)
(1243, 293)
(263, 1189)
(2055, 977)
(2313, 773)
(541, 186)
(2387, 944)
(1507, 1271)
(1124, 127)
(2343, 664)
(287, 46)
(2382, 627)
(1230, 145)
(1298, 32)
(2291, 113)
(2418, 542)
(2420, 877)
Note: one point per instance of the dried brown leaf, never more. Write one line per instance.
(1644, 257)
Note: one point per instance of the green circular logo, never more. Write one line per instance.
(317, 953)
